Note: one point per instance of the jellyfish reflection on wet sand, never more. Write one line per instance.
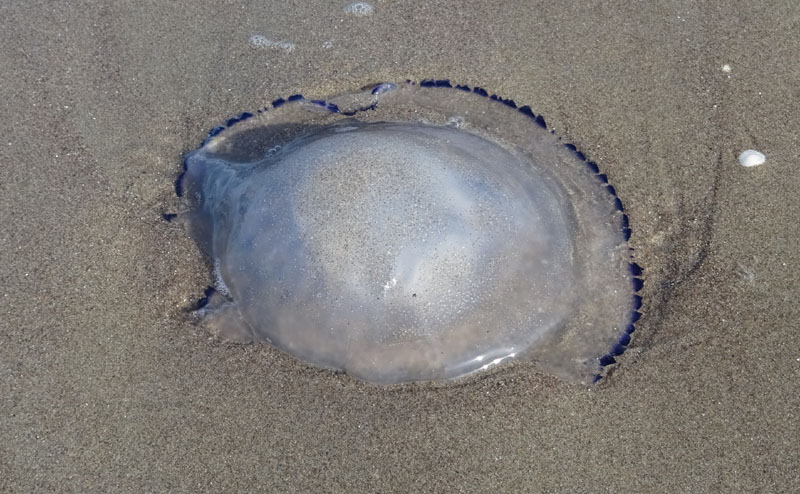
(411, 232)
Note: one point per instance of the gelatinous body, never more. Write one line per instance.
(408, 233)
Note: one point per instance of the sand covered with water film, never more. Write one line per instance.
(107, 386)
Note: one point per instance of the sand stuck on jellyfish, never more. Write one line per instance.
(411, 232)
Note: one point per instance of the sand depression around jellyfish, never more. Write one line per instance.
(411, 232)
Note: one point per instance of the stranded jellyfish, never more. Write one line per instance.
(411, 232)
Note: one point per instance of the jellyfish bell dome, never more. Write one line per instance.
(407, 233)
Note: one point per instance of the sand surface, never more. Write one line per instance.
(107, 387)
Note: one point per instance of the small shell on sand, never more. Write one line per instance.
(359, 9)
(259, 41)
(751, 157)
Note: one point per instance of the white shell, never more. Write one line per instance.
(751, 157)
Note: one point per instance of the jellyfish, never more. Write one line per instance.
(411, 232)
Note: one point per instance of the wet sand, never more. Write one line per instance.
(108, 387)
